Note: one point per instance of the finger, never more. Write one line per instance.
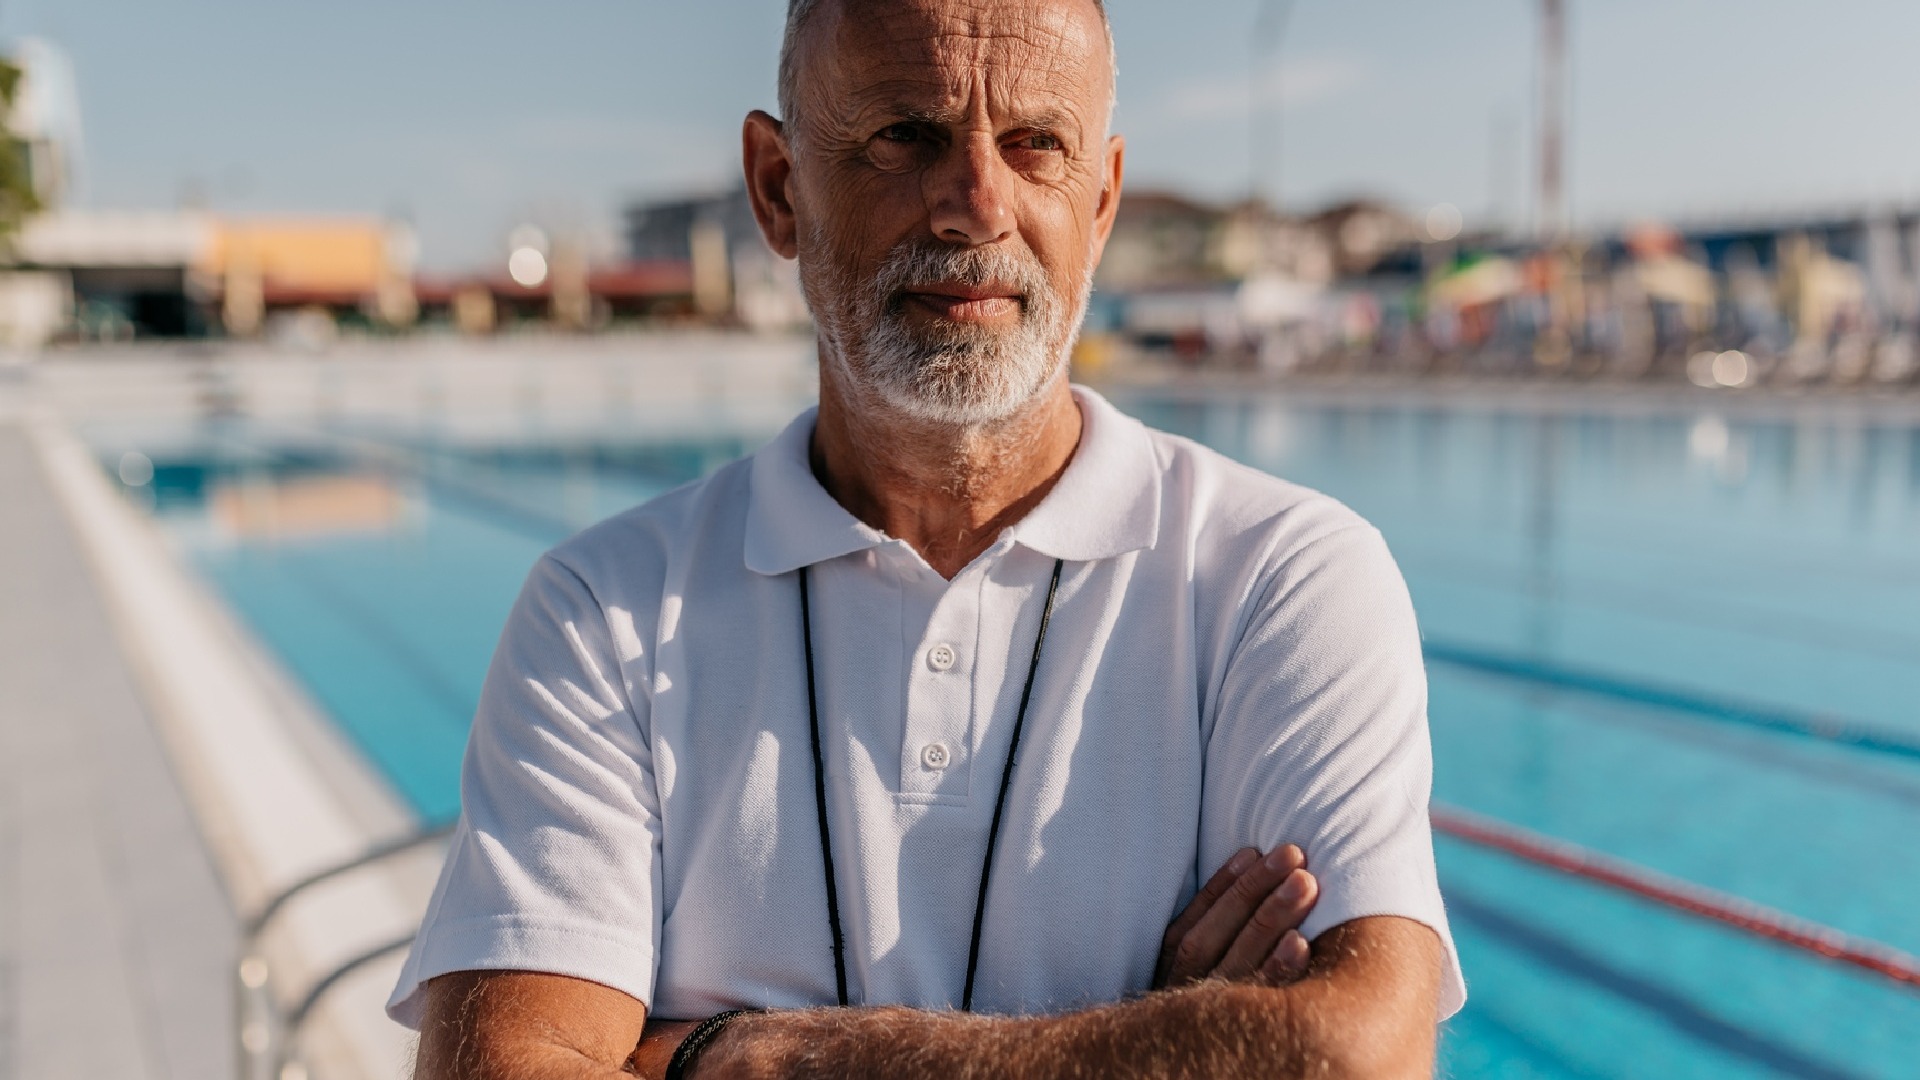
(1213, 890)
(1288, 961)
(1201, 949)
(1202, 902)
(1282, 911)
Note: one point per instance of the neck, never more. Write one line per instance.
(947, 491)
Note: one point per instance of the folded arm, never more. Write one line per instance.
(1366, 1008)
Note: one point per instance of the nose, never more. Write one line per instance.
(969, 193)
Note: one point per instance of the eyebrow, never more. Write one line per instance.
(1044, 120)
(1051, 120)
(921, 115)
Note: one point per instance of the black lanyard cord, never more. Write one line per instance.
(820, 800)
(999, 803)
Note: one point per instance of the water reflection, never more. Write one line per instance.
(1756, 557)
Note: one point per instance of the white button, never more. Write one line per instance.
(935, 755)
(940, 657)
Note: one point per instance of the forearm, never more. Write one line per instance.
(533, 1063)
(1211, 1029)
(520, 1059)
(507, 1025)
(1166, 1034)
(1343, 1020)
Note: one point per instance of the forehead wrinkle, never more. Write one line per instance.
(980, 21)
(937, 60)
(1029, 99)
(1020, 61)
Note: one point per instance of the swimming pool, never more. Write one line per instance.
(1604, 595)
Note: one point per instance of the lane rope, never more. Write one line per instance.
(1815, 726)
(1698, 900)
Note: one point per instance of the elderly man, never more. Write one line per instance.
(911, 732)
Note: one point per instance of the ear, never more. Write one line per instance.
(1111, 173)
(769, 167)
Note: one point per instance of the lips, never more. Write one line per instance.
(966, 303)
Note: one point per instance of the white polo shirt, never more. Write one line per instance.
(1232, 661)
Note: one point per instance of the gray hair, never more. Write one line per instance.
(799, 11)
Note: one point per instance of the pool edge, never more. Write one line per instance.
(276, 793)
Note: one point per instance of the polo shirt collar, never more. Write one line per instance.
(1106, 503)
(791, 520)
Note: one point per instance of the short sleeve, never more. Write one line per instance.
(1319, 738)
(554, 866)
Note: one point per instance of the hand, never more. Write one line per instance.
(1244, 924)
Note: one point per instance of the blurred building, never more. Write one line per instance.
(1240, 280)
(114, 276)
(567, 297)
(1786, 298)
(351, 270)
(121, 276)
(1166, 240)
(735, 277)
(1162, 239)
(1360, 235)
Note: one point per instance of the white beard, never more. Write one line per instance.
(957, 376)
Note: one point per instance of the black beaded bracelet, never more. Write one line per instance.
(709, 1029)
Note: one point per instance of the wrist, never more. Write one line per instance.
(700, 1042)
(780, 1044)
(798, 1044)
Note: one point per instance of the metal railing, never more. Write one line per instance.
(266, 1035)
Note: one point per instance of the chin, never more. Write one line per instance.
(970, 391)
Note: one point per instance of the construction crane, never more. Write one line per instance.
(1263, 142)
(1553, 349)
(1553, 110)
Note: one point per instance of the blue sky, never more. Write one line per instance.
(468, 116)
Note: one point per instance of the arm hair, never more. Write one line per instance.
(1366, 1009)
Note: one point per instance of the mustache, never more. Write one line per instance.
(916, 264)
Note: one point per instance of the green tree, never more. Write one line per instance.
(18, 199)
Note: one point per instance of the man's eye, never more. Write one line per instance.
(1039, 142)
(901, 133)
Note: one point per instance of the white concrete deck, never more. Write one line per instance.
(116, 937)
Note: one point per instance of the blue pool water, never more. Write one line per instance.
(1609, 601)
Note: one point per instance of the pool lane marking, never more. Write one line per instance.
(1698, 900)
(411, 463)
(527, 522)
(416, 462)
(1858, 774)
(1683, 1015)
(451, 694)
(1511, 1036)
(1708, 610)
(1803, 725)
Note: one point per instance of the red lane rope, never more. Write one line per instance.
(1734, 911)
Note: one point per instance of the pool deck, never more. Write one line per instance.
(116, 935)
(177, 775)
